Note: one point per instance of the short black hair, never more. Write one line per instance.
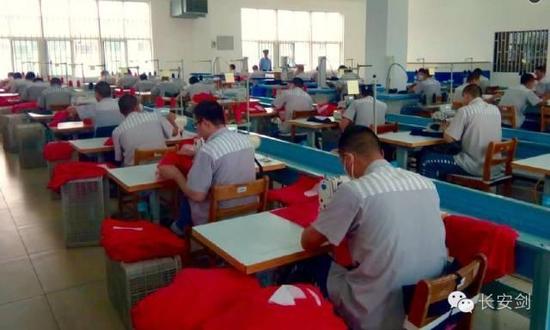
(232, 67)
(143, 76)
(193, 80)
(472, 76)
(254, 67)
(366, 90)
(541, 68)
(298, 82)
(55, 81)
(472, 90)
(37, 79)
(30, 75)
(478, 71)
(17, 75)
(527, 78)
(211, 111)
(103, 89)
(127, 103)
(359, 140)
(342, 67)
(424, 71)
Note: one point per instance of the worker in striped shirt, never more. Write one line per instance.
(292, 100)
(475, 125)
(226, 157)
(54, 95)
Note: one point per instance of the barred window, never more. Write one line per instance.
(520, 51)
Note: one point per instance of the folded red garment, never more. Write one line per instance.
(69, 171)
(59, 150)
(294, 193)
(239, 109)
(59, 117)
(326, 109)
(19, 107)
(109, 142)
(202, 97)
(182, 162)
(6, 100)
(159, 102)
(466, 237)
(132, 241)
(195, 296)
(310, 312)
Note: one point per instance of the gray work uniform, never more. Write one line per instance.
(103, 113)
(475, 125)
(457, 95)
(520, 97)
(34, 90)
(198, 88)
(127, 81)
(145, 85)
(140, 130)
(484, 82)
(543, 86)
(361, 112)
(428, 87)
(20, 86)
(54, 95)
(226, 158)
(292, 100)
(396, 237)
(166, 88)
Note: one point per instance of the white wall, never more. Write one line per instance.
(191, 38)
(451, 30)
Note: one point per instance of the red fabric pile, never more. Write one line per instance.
(109, 142)
(310, 312)
(56, 151)
(159, 102)
(182, 162)
(202, 97)
(326, 109)
(195, 296)
(69, 171)
(239, 109)
(173, 103)
(20, 107)
(10, 99)
(59, 117)
(294, 193)
(132, 241)
(466, 237)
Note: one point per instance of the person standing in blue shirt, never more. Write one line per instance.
(265, 62)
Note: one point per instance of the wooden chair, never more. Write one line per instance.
(224, 193)
(544, 117)
(142, 156)
(497, 153)
(428, 292)
(508, 115)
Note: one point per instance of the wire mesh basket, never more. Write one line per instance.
(9, 134)
(31, 139)
(85, 205)
(128, 283)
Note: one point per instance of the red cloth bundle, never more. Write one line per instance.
(239, 109)
(182, 162)
(310, 312)
(202, 97)
(195, 296)
(159, 102)
(109, 142)
(59, 150)
(132, 91)
(326, 109)
(59, 117)
(9, 99)
(294, 193)
(132, 241)
(69, 171)
(20, 107)
(173, 103)
(466, 237)
(78, 83)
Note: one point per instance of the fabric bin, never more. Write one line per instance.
(31, 139)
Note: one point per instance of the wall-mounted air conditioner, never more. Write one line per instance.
(188, 8)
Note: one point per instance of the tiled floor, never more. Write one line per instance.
(44, 286)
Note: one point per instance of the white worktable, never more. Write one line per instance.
(537, 165)
(404, 142)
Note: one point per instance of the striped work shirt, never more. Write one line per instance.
(54, 95)
(392, 221)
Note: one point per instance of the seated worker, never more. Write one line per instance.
(391, 222)
(522, 97)
(290, 100)
(21, 85)
(11, 85)
(426, 86)
(140, 130)
(197, 87)
(256, 73)
(299, 73)
(6, 83)
(361, 111)
(54, 95)
(34, 90)
(106, 77)
(104, 113)
(144, 85)
(225, 158)
(543, 81)
(483, 81)
(166, 88)
(475, 125)
(127, 81)
(473, 78)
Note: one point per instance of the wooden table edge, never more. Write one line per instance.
(216, 249)
(409, 144)
(138, 188)
(529, 168)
